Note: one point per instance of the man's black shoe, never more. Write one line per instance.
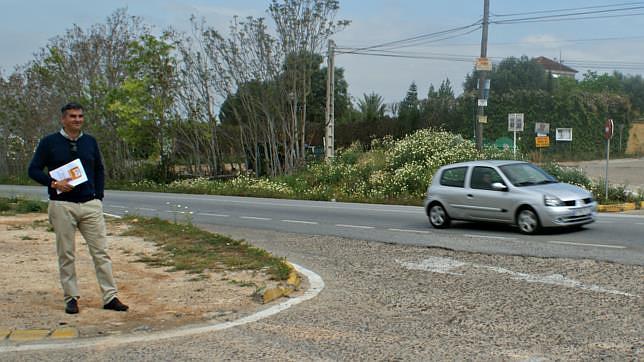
(115, 304)
(71, 307)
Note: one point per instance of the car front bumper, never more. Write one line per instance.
(568, 216)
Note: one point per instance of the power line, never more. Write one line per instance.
(581, 40)
(504, 22)
(571, 15)
(568, 9)
(349, 50)
(421, 37)
(595, 64)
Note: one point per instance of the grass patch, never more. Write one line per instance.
(188, 248)
(18, 205)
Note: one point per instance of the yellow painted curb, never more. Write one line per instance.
(27, 335)
(616, 207)
(271, 294)
(64, 333)
(4, 333)
(292, 284)
(294, 280)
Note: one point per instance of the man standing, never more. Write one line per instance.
(76, 207)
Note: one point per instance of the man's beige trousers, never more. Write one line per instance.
(87, 217)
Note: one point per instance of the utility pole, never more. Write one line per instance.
(482, 73)
(329, 135)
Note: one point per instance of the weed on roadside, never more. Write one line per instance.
(190, 249)
(19, 205)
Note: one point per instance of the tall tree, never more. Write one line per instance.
(409, 110)
(144, 100)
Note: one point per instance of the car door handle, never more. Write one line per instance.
(469, 196)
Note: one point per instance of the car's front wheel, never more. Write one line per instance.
(528, 221)
(438, 216)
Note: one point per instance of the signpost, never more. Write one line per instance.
(608, 134)
(542, 141)
(515, 123)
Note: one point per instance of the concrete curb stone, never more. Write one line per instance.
(629, 206)
(292, 284)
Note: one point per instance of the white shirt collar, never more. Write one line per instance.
(62, 131)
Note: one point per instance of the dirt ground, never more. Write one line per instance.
(31, 296)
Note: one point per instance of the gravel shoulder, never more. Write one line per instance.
(31, 296)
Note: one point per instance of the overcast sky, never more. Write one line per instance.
(605, 39)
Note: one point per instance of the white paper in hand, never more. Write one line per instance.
(73, 171)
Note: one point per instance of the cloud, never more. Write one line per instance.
(542, 40)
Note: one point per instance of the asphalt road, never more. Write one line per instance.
(399, 299)
(614, 237)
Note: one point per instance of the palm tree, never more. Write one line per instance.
(372, 107)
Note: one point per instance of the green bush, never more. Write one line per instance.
(18, 205)
(571, 175)
(27, 206)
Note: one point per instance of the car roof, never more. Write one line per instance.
(496, 163)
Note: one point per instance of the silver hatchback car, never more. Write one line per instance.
(511, 192)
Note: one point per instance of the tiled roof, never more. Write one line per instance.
(549, 64)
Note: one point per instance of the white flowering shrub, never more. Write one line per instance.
(248, 185)
(414, 159)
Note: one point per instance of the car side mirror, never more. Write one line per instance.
(499, 186)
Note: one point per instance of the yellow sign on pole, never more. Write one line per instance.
(542, 141)
(483, 64)
(482, 119)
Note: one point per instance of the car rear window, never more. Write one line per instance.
(454, 177)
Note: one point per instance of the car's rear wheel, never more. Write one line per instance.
(528, 221)
(438, 216)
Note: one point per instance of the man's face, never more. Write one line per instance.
(72, 120)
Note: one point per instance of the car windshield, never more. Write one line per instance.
(526, 174)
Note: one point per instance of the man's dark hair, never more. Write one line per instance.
(71, 105)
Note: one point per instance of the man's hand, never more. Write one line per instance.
(62, 185)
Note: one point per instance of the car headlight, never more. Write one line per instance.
(552, 201)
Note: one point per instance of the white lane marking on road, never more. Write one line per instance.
(488, 236)
(259, 201)
(113, 215)
(215, 215)
(586, 244)
(146, 209)
(301, 222)
(639, 223)
(435, 264)
(178, 212)
(410, 231)
(118, 206)
(355, 226)
(316, 284)
(255, 218)
(447, 265)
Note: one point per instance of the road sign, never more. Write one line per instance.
(483, 64)
(608, 129)
(542, 141)
(542, 128)
(563, 134)
(482, 102)
(515, 122)
(482, 119)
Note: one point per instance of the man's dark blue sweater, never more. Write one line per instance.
(56, 150)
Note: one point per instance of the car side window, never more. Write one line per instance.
(454, 177)
(483, 177)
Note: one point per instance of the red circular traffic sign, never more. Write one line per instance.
(608, 129)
